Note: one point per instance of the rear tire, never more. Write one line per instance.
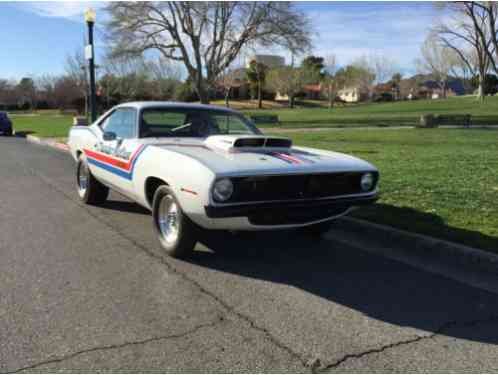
(176, 233)
(90, 190)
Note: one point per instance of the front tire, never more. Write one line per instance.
(176, 233)
(90, 190)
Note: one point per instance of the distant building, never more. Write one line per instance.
(386, 92)
(271, 61)
(425, 87)
(353, 94)
(313, 91)
(433, 90)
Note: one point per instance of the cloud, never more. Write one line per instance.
(355, 29)
(72, 10)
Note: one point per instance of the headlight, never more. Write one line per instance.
(367, 182)
(222, 190)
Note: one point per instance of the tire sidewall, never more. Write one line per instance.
(82, 163)
(183, 244)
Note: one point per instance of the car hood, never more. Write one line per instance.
(222, 155)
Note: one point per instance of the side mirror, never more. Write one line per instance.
(109, 136)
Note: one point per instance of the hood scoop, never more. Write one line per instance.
(232, 143)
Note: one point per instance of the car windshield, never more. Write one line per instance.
(192, 122)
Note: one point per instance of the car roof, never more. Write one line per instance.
(157, 104)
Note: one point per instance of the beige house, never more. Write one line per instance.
(352, 94)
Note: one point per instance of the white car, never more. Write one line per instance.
(207, 167)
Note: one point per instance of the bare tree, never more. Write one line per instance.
(67, 91)
(205, 36)
(382, 66)
(436, 60)
(131, 73)
(256, 75)
(491, 10)
(27, 93)
(289, 81)
(363, 75)
(7, 95)
(76, 71)
(330, 81)
(227, 80)
(165, 76)
(162, 68)
(467, 34)
(46, 89)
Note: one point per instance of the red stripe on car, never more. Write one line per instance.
(120, 163)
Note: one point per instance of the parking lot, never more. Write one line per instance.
(87, 289)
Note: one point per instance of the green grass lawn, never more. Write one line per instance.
(440, 182)
(48, 124)
(43, 125)
(384, 114)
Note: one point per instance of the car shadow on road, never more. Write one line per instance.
(124, 206)
(383, 289)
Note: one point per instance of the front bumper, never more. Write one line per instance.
(294, 213)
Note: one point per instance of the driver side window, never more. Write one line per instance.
(122, 122)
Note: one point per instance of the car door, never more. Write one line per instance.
(114, 153)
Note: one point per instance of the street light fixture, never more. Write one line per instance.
(90, 16)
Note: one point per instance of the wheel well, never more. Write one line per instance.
(151, 185)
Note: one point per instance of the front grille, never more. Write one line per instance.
(290, 187)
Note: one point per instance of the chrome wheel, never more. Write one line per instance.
(82, 179)
(168, 219)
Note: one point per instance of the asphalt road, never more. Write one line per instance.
(87, 289)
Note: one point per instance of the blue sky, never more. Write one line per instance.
(37, 36)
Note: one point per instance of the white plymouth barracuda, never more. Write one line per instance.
(206, 167)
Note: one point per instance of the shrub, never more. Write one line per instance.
(185, 93)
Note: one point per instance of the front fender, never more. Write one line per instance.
(188, 178)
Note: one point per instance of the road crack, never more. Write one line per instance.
(229, 309)
(443, 328)
(117, 346)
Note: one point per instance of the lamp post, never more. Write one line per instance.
(89, 54)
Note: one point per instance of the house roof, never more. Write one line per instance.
(455, 85)
(313, 87)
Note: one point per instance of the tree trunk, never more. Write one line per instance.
(291, 101)
(260, 97)
(200, 88)
(480, 89)
(331, 98)
(443, 84)
(227, 96)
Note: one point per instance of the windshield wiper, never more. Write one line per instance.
(181, 127)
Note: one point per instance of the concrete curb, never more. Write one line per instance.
(48, 142)
(385, 236)
(413, 243)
